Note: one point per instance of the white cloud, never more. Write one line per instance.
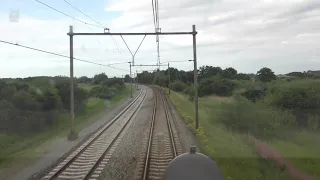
(244, 34)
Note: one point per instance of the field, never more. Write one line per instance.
(233, 150)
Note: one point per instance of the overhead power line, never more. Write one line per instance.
(97, 39)
(115, 42)
(61, 55)
(83, 13)
(113, 39)
(125, 62)
(155, 11)
(68, 15)
(175, 61)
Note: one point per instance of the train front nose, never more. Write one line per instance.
(193, 166)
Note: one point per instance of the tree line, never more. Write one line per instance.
(296, 92)
(30, 105)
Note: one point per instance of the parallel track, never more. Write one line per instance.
(161, 147)
(88, 161)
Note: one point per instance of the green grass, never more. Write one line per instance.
(17, 150)
(232, 150)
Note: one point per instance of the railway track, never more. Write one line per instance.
(89, 160)
(161, 148)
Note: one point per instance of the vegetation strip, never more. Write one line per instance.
(279, 111)
(35, 109)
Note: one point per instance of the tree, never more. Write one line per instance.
(174, 73)
(216, 85)
(51, 100)
(63, 87)
(7, 92)
(127, 78)
(145, 77)
(242, 76)
(84, 79)
(178, 86)
(102, 92)
(25, 101)
(111, 82)
(266, 75)
(5, 104)
(229, 73)
(98, 78)
(189, 76)
(208, 71)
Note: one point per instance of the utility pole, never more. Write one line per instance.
(159, 75)
(72, 135)
(195, 71)
(169, 78)
(137, 79)
(130, 80)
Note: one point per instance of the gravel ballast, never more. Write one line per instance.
(128, 153)
(127, 161)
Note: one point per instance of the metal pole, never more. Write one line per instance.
(195, 74)
(131, 79)
(134, 80)
(72, 135)
(132, 34)
(169, 78)
(137, 78)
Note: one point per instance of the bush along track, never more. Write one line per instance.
(35, 109)
(241, 156)
(280, 112)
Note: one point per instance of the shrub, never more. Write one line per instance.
(102, 92)
(112, 82)
(119, 87)
(5, 104)
(190, 92)
(254, 92)
(178, 86)
(298, 94)
(313, 123)
(243, 115)
(216, 85)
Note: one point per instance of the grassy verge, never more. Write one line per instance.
(17, 150)
(232, 150)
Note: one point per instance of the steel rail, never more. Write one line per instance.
(54, 175)
(158, 98)
(174, 148)
(113, 141)
(147, 161)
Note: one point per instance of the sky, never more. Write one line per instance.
(244, 34)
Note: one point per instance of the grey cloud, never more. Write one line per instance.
(301, 8)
